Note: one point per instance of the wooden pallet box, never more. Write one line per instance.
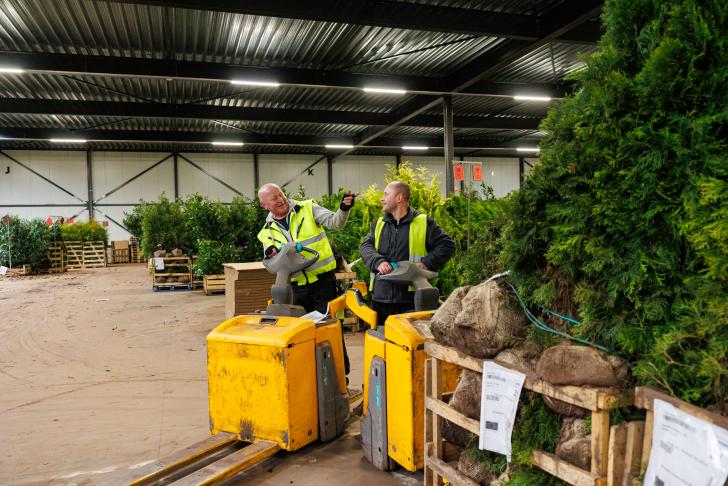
(592, 399)
(174, 268)
(94, 254)
(247, 288)
(74, 254)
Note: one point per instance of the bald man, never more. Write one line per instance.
(402, 233)
(303, 222)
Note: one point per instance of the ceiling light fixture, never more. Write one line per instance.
(11, 70)
(385, 91)
(414, 147)
(229, 144)
(264, 84)
(531, 98)
(527, 149)
(337, 146)
(67, 140)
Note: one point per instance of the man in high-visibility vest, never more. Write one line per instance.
(402, 233)
(303, 222)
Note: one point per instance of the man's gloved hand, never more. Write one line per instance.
(348, 201)
(271, 251)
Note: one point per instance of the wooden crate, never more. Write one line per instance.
(214, 283)
(173, 267)
(633, 440)
(74, 254)
(94, 254)
(595, 400)
(19, 271)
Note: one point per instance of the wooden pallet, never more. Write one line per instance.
(595, 400)
(214, 283)
(135, 254)
(197, 281)
(74, 255)
(94, 254)
(19, 271)
(633, 440)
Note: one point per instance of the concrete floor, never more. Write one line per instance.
(100, 375)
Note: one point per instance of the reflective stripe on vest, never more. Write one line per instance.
(302, 229)
(417, 237)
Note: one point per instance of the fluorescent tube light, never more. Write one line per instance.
(336, 146)
(527, 149)
(385, 91)
(531, 98)
(414, 147)
(230, 144)
(67, 140)
(4, 69)
(265, 84)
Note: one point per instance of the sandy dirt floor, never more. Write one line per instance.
(99, 375)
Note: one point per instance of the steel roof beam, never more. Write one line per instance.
(14, 134)
(230, 113)
(383, 13)
(74, 64)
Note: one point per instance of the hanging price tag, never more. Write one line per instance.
(459, 172)
(477, 172)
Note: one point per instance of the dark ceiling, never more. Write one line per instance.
(156, 75)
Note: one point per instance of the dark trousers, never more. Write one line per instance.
(316, 296)
(386, 309)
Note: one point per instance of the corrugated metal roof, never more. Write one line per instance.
(139, 31)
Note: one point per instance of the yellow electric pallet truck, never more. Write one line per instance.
(275, 382)
(392, 424)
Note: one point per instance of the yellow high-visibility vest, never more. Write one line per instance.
(302, 228)
(417, 236)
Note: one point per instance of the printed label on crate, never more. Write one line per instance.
(685, 449)
(501, 389)
(3, 270)
(159, 263)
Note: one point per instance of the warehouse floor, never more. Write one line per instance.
(100, 375)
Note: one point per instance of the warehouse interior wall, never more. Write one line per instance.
(121, 179)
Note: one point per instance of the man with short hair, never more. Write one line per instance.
(303, 222)
(402, 233)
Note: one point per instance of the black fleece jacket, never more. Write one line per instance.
(394, 247)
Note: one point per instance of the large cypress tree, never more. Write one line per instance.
(625, 221)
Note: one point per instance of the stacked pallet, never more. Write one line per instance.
(57, 258)
(134, 250)
(247, 288)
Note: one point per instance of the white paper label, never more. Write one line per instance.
(159, 263)
(501, 389)
(3, 270)
(686, 450)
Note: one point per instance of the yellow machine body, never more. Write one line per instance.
(262, 377)
(402, 349)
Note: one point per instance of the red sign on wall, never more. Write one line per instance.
(477, 172)
(459, 172)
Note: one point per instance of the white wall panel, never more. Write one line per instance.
(236, 170)
(111, 169)
(436, 166)
(44, 213)
(20, 186)
(117, 213)
(359, 172)
(501, 173)
(279, 169)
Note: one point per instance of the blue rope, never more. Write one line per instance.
(563, 318)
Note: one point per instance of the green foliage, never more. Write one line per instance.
(24, 242)
(203, 220)
(625, 220)
(245, 219)
(163, 227)
(531, 476)
(84, 231)
(211, 255)
(133, 221)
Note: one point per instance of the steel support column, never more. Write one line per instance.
(521, 171)
(330, 173)
(448, 143)
(90, 184)
(398, 160)
(256, 171)
(176, 176)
